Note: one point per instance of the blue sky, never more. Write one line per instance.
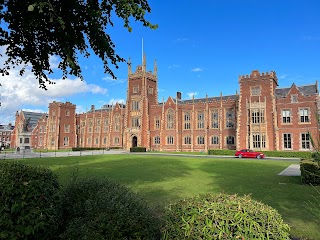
(201, 47)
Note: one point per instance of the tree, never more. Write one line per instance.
(34, 30)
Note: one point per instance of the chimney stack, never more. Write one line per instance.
(179, 95)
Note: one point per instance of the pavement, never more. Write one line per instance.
(292, 170)
(13, 155)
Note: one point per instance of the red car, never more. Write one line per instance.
(249, 153)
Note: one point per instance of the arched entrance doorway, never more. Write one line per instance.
(134, 141)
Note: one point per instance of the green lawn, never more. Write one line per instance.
(162, 179)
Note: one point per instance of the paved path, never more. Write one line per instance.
(292, 170)
(11, 155)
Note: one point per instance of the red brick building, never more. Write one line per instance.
(261, 116)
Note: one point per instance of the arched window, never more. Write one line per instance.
(170, 140)
(214, 140)
(187, 140)
(201, 140)
(230, 140)
(170, 119)
(117, 122)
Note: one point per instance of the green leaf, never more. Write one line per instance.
(30, 8)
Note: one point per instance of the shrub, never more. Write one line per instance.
(102, 209)
(222, 216)
(310, 172)
(28, 197)
(138, 149)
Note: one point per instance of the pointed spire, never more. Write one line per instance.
(144, 63)
(129, 67)
(155, 68)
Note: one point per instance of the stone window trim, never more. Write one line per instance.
(215, 140)
(304, 115)
(257, 115)
(258, 140)
(200, 120)
(187, 120)
(294, 98)
(135, 89)
(214, 119)
(170, 118)
(67, 128)
(201, 140)
(67, 113)
(66, 141)
(150, 90)
(305, 141)
(187, 140)
(255, 90)
(230, 118)
(156, 140)
(230, 140)
(157, 122)
(287, 141)
(286, 116)
(170, 140)
(135, 105)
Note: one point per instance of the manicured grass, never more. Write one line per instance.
(162, 179)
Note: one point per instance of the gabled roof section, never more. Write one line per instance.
(304, 90)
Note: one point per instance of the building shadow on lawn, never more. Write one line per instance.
(129, 171)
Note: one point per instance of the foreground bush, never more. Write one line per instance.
(223, 216)
(102, 209)
(28, 197)
(310, 172)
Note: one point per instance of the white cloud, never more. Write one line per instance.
(181, 39)
(174, 66)
(113, 81)
(192, 94)
(20, 91)
(196, 69)
(283, 76)
(114, 101)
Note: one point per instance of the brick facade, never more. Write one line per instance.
(261, 116)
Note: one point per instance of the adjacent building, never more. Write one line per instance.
(5, 135)
(260, 116)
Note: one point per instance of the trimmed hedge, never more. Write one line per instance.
(28, 201)
(310, 172)
(85, 148)
(102, 209)
(221, 152)
(221, 216)
(138, 149)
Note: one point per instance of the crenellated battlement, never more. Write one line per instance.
(256, 74)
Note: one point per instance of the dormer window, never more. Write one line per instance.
(256, 91)
(294, 98)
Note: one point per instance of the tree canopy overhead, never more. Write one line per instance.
(34, 30)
